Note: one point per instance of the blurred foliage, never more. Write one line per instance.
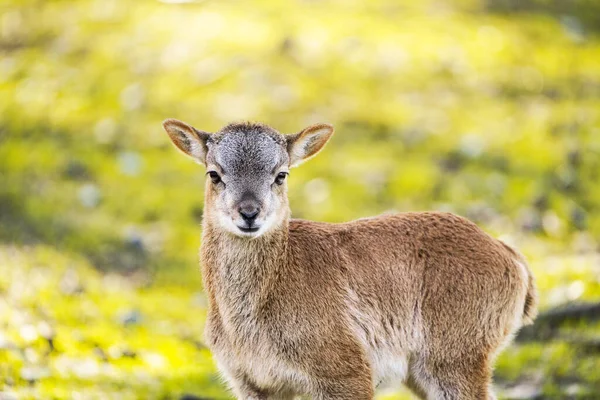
(73, 333)
(487, 108)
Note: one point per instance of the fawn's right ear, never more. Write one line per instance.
(188, 139)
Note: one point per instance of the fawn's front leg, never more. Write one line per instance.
(244, 389)
(355, 388)
(342, 372)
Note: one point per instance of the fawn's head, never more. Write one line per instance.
(247, 166)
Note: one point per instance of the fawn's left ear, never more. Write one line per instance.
(188, 139)
(307, 143)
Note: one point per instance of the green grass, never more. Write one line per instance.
(67, 328)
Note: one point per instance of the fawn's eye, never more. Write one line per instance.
(214, 177)
(280, 178)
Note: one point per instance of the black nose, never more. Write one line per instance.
(249, 211)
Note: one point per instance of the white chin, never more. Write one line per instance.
(229, 225)
(248, 234)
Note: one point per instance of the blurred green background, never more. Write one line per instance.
(487, 108)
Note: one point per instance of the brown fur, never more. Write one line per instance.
(318, 309)
(445, 288)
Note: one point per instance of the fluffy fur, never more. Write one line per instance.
(333, 310)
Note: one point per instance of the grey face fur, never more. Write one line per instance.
(247, 165)
(249, 159)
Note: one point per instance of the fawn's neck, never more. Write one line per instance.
(239, 271)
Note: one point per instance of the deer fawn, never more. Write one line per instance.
(329, 311)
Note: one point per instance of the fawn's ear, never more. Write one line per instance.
(188, 139)
(307, 143)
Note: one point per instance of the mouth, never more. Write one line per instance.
(249, 229)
